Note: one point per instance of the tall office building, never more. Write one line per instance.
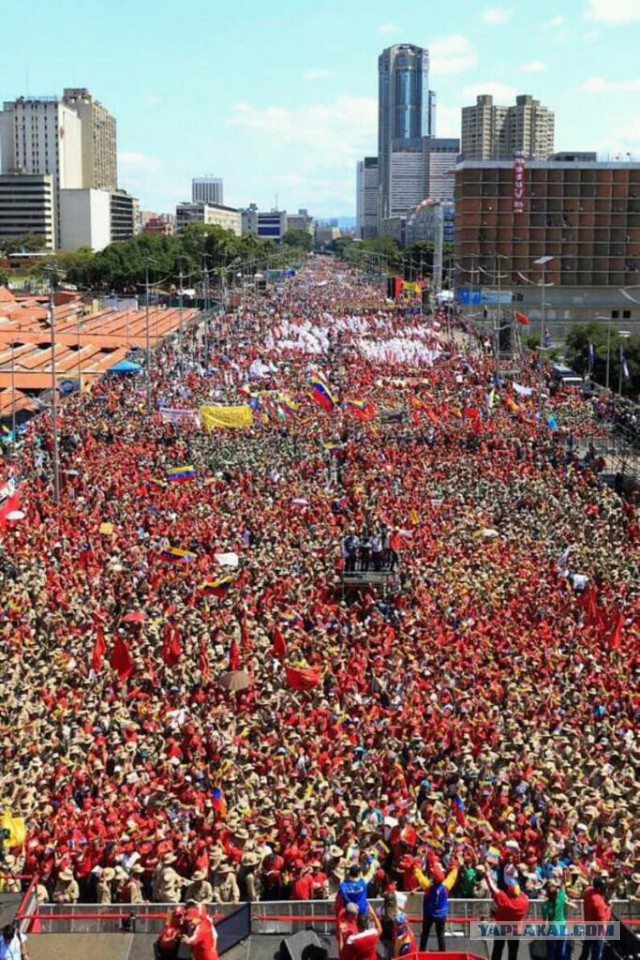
(492, 132)
(367, 198)
(207, 190)
(440, 157)
(27, 205)
(581, 215)
(99, 140)
(406, 114)
(72, 138)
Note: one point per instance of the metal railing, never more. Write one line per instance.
(282, 917)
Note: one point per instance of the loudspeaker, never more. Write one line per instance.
(303, 946)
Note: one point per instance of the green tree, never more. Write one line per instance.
(4, 277)
(298, 238)
(604, 341)
(28, 242)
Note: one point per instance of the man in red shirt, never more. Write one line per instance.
(362, 944)
(511, 907)
(596, 909)
(201, 933)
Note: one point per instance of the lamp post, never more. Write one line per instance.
(542, 262)
(54, 395)
(13, 403)
(147, 337)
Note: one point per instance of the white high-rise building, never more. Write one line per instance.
(367, 198)
(99, 140)
(207, 190)
(73, 139)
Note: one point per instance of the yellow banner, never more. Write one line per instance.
(214, 418)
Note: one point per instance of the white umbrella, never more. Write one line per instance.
(16, 515)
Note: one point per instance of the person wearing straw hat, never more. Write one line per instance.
(66, 889)
(225, 885)
(199, 890)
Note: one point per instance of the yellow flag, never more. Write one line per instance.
(214, 418)
(16, 829)
(414, 516)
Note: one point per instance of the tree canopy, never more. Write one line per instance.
(598, 334)
(123, 266)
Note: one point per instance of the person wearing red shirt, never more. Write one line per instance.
(361, 944)
(511, 907)
(596, 909)
(201, 934)
(303, 887)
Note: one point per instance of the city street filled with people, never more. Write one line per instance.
(194, 709)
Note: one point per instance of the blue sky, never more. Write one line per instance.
(280, 97)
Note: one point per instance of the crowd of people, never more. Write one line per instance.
(191, 710)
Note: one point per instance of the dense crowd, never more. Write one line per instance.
(257, 737)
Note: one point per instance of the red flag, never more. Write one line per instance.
(303, 678)
(171, 649)
(121, 659)
(99, 649)
(245, 642)
(234, 656)
(614, 638)
(203, 662)
(522, 318)
(470, 413)
(279, 647)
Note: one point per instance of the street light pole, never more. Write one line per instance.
(180, 328)
(148, 338)
(54, 396)
(13, 403)
(542, 262)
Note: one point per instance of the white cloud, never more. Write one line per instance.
(339, 132)
(502, 93)
(452, 54)
(389, 29)
(310, 75)
(496, 15)
(590, 37)
(613, 11)
(135, 163)
(535, 66)
(448, 121)
(600, 85)
(554, 22)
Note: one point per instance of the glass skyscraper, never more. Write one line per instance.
(406, 114)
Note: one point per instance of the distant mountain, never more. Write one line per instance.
(345, 223)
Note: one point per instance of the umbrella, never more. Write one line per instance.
(235, 680)
(125, 366)
(16, 515)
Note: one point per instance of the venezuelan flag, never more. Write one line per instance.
(290, 616)
(175, 555)
(217, 588)
(158, 483)
(289, 406)
(322, 395)
(362, 409)
(180, 474)
(218, 801)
